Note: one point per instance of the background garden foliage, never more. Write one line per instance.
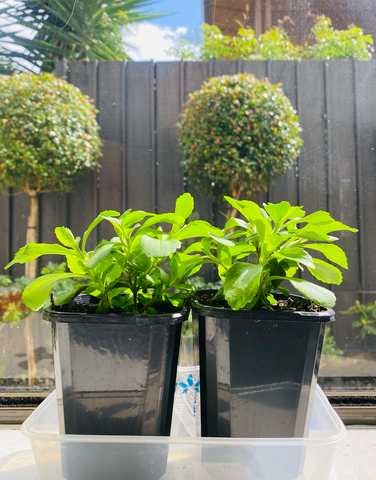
(48, 133)
(326, 43)
(237, 134)
(77, 31)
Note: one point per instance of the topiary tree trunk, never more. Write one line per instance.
(31, 272)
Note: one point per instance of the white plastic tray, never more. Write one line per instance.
(75, 457)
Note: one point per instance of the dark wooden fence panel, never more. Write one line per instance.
(140, 145)
(82, 205)
(111, 118)
(195, 75)
(342, 186)
(365, 85)
(365, 108)
(258, 68)
(285, 187)
(313, 173)
(139, 107)
(169, 98)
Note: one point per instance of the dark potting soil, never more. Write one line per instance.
(288, 304)
(92, 308)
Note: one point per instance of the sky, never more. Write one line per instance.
(151, 39)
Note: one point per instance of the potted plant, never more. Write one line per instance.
(48, 136)
(116, 334)
(236, 135)
(260, 350)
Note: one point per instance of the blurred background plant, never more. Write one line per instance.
(50, 30)
(275, 44)
(366, 320)
(329, 346)
(236, 135)
(48, 136)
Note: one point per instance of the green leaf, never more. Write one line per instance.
(65, 236)
(164, 218)
(325, 272)
(184, 205)
(35, 250)
(319, 295)
(100, 253)
(153, 247)
(176, 299)
(332, 252)
(284, 291)
(236, 222)
(277, 211)
(165, 279)
(138, 261)
(68, 296)
(37, 292)
(75, 265)
(94, 223)
(222, 240)
(298, 255)
(197, 228)
(318, 218)
(242, 282)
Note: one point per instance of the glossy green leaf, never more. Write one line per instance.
(94, 223)
(319, 295)
(298, 255)
(184, 205)
(35, 250)
(242, 282)
(99, 255)
(65, 236)
(37, 292)
(153, 247)
(197, 228)
(277, 211)
(222, 240)
(332, 252)
(325, 272)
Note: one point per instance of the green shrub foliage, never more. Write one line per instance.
(237, 134)
(275, 44)
(48, 133)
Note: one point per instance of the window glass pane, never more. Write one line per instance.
(131, 69)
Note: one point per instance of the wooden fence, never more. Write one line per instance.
(139, 106)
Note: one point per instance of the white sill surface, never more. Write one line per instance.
(355, 457)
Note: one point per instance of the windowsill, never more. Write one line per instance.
(354, 459)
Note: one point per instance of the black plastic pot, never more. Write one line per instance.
(115, 374)
(258, 370)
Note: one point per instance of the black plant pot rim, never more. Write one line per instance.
(114, 318)
(325, 316)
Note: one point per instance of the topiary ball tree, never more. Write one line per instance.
(236, 135)
(48, 136)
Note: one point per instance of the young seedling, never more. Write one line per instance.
(126, 272)
(270, 246)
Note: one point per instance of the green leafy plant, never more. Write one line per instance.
(331, 43)
(366, 320)
(77, 31)
(48, 136)
(275, 44)
(277, 241)
(125, 273)
(329, 346)
(236, 135)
